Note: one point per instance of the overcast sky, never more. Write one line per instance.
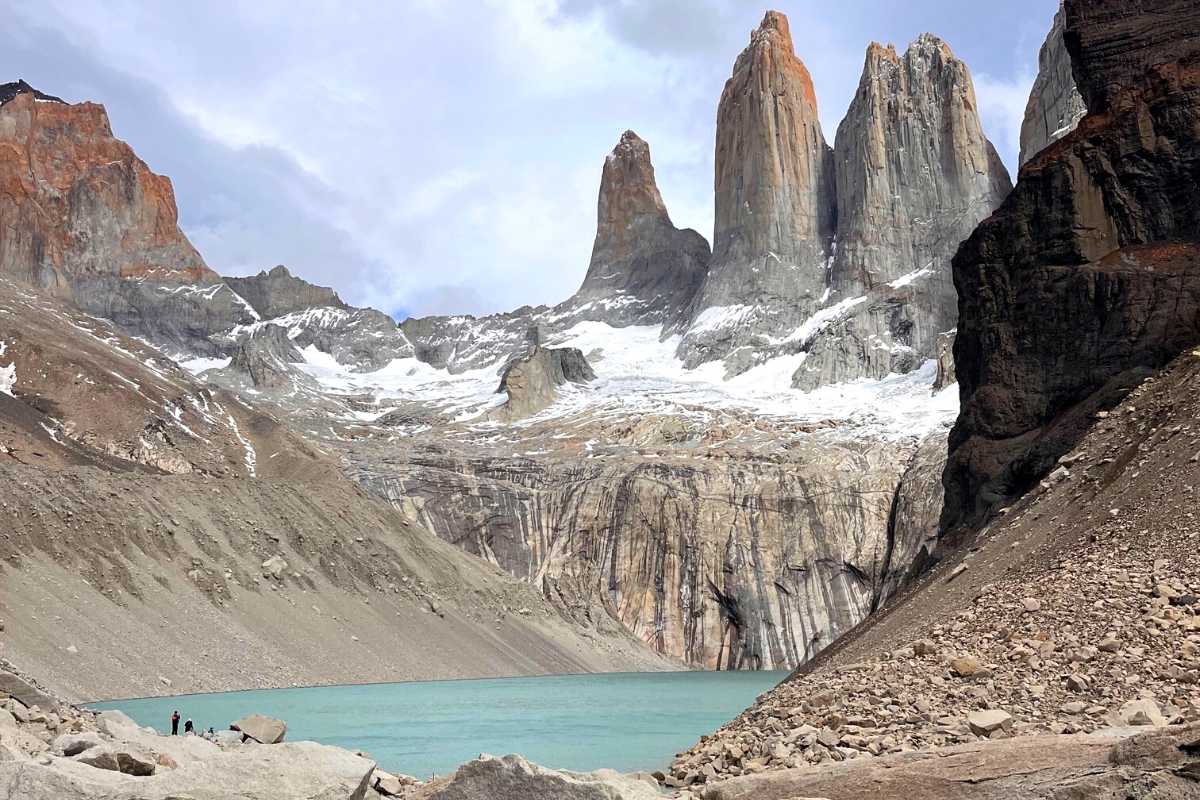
(428, 156)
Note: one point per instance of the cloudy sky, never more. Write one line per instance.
(441, 156)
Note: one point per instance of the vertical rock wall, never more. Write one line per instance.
(1088, 277)
(1055, 105)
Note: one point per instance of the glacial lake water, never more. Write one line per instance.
(623, 721)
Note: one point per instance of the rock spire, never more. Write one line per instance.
(643, 269)
(774, 204)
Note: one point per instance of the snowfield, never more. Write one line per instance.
(637, 373)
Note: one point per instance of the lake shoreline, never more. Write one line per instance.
(630, 721)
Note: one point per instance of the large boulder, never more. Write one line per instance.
(264, 730)
(70, 744)
(26, 692)
(292, 771)
(514, 778)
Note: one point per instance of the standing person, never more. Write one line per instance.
(175, 723)
(187, 726)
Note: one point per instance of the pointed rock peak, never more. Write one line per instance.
(627, 186)
(775, 23)
(279, 271)
(877, 52)
(773, 41)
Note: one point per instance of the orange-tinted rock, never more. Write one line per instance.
(774, 212)
(85, 219)
(643, 269)
(77, 202)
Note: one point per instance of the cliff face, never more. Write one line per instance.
(775, 211)
(1088, 277)
(740, 562)
(84, 219)
(643, 269)
(278, 292)
(1055, 105)
(915, 175)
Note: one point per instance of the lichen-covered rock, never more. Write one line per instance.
(1088, 276)
(1055, 105)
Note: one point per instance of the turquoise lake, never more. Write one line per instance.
(624, 721)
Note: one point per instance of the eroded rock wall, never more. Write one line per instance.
(730, 563)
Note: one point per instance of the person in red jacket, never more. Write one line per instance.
(175, 724)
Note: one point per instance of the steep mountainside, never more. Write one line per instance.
(1055, 105)
(143, 507)
(701, 501)
(915, 175)
(775, 210)
(1087, 279)
(84, 219)
(1074, 610)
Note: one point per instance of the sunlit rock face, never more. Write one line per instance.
(1055, 105)
(775, 210)
(85, 219)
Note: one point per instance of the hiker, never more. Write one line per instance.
(175, 723)
(187, 727)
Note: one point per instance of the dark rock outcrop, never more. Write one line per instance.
(1088, 277)
(10, 90)
(532, 381)
(1055, 105)
(278, 292)
(264, 355)
(775, 208)
(643, 270)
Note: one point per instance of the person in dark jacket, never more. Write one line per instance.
(175, 723)
(187, 726)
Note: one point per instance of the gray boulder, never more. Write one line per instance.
(291, 771)
(26, 692)
(72, 744)
(514, 778)
(532, 381)
(264, 730)
(101, 757)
